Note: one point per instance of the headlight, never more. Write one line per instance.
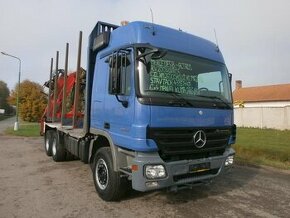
(155, 171)
(229, 161)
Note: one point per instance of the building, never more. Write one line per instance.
(262, 96)
(262, 106)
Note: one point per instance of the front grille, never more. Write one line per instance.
(178, 144)
(193, 175)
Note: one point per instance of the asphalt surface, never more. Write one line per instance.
(4, 124)
(32, 185)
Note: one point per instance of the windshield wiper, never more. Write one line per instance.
(179, 99)
(217, 98)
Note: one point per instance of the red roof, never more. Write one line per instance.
(263, 93)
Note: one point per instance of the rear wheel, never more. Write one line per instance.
(108, 183)
(48, 142)
(58, 151)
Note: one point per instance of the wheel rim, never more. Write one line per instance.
(54, 147)
(102, 176)
(47, 144)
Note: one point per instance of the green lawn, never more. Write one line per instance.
(263, 146)
(25, 129)
(255, 146)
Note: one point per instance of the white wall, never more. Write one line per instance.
(263, 117)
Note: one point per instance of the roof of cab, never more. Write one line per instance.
(163, 37)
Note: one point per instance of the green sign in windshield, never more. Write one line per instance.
(167, 75)
(192, 77)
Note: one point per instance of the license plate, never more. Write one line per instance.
(195, 168)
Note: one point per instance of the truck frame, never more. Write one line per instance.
(153, 110)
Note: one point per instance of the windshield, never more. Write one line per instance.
(184, 77)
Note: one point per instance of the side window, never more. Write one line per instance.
(120, 72)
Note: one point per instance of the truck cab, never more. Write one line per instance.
(165, 96)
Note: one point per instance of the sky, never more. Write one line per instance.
(253, 35)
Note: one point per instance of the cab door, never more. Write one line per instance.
(119, 100)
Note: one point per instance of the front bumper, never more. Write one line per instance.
(178, 172)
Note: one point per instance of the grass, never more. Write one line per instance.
(253, 146)
(25, 129)
(263, 147)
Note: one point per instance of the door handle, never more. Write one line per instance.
(107, 125)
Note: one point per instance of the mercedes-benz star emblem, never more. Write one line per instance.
(199, 139)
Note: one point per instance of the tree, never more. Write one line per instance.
(32, 100)
(4, 94)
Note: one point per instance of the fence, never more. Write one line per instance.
(263, 117)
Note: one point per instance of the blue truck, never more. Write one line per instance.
(157, 111)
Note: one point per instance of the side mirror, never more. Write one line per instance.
(114, 81)
(118, 60)
(118, 63)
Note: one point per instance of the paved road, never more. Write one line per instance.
(32, 185)
(4, 124)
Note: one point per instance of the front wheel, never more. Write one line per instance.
(108, 183)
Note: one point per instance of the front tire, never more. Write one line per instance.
(108, 183)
